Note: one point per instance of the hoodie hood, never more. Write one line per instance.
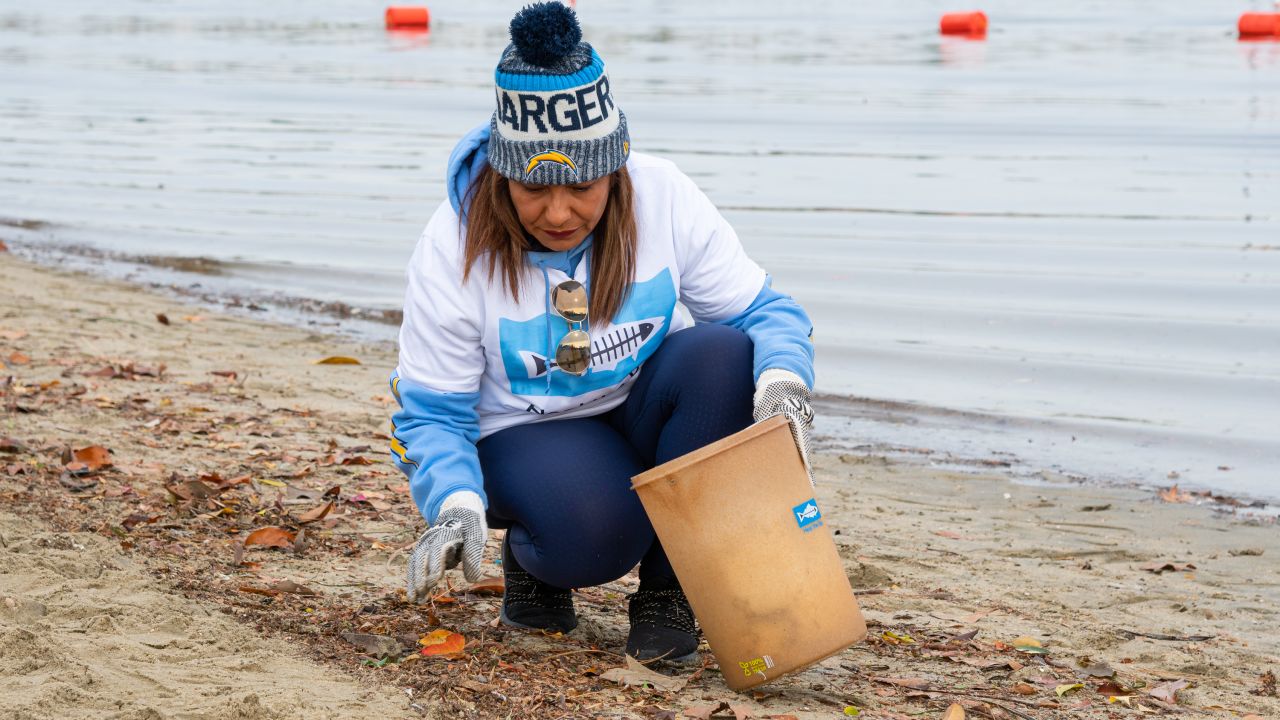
(466, 161)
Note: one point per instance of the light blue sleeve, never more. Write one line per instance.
(433, 441)
(781, 331)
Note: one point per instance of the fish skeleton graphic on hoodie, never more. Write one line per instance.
(474, 361)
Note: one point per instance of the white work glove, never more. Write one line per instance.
(459, 534)
(782, 392)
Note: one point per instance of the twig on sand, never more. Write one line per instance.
(588, 650)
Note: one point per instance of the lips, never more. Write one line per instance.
(562, 235)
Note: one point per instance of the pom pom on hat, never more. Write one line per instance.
(545, 32)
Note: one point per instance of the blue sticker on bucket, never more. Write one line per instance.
(807, 515)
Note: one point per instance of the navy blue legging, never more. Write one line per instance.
(562, 488)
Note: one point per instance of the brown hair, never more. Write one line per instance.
(494, 229)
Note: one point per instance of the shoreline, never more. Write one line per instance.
(960, 438)
(219, 426)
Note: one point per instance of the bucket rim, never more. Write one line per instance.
(671, 467)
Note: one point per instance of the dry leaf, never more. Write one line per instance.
(913, 683)
(894, 638)
(640, 676)
(704, 712)
(17, 358)
(1062, 690)
(379, 646)
(1168, 692)
(488, 586)
(94, 457)
(954, 712)
(3, 248)
(270, 537)
(443, 643)
(1024, 689)
(289, 586)
(316, 513)
(337, 360)
(1029, 645)
(1173, 495)
(162, 318)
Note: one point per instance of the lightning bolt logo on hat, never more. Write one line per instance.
(550, 156)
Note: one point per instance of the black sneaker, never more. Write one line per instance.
(527, 602)
(662, 624)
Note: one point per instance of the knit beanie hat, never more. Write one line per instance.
(556, 122)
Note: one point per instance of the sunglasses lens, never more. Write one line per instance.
(573, 355)
(570, 300)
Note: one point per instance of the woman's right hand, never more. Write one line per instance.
(458, 535)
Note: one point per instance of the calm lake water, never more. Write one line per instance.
(1058, 247)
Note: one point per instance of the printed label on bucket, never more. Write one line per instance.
(756, 665)
(807, 515)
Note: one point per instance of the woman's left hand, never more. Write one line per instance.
(783, 392)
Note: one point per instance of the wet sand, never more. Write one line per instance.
(120, 598)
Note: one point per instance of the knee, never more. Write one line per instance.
(578, 557)
(713, 353)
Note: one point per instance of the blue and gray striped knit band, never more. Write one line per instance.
(556, 121)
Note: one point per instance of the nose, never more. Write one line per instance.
(558, 210)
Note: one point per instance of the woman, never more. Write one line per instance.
(543, 362)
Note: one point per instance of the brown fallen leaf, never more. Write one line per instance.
(315, 514)
(3, 248)
(488, 586)
(270, 537)
(94, 457)
(13, 445)
(232, 374)
(1168, 692)
(1112, 689)
(1173, 495)
(637, 675)
(289, 586)
(337, 360)
(191, 490)
(17, 358)
(913, 683)
(162, 318)
(1023, 689)
(379, 646)
(954, 712)
(1266, 685)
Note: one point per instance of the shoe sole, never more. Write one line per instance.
(685, 660)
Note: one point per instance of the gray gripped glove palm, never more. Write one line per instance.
(458, 535)
(782, 392)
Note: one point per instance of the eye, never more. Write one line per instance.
(583, 188)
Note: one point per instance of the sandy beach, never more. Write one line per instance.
(199, 521)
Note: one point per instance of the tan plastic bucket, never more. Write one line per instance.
(740, 524)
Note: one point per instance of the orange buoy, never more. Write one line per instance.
(1255, 24)
(964, 23)
(408, 17)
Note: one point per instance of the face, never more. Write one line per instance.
(560, 216)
